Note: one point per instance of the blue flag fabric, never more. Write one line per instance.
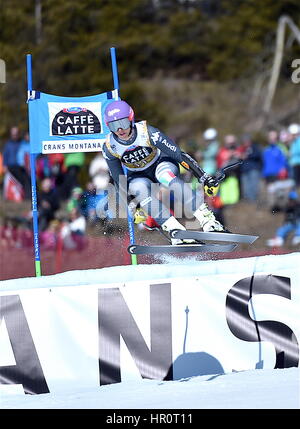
(67, 124)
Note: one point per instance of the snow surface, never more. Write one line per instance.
(251, 389)
(172, 266)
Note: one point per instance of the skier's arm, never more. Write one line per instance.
(164, 144)
(210, 183)
(167, 146)
(189, 163)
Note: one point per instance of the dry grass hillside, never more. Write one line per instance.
(189, 107)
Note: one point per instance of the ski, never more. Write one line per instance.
(214, 236)
(136, 249)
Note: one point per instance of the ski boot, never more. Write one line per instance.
(207, 220)
(172, 223)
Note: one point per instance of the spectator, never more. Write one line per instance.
(250, 170)
(275, 173)
(75, 199)
(57, 169)
(209, 153)
(275, 164)
(48, 203)
(73, 231)
(294, 129)
(15, 232)
(290, 224)
(49, 236)
(8, 233)
(284, 141)
(72, 165)
(42, 167)
(99, 173)
(93, 204)
(51, 165)
(24, 233)
(87, 204)
(228, 154)
(11, 161)
(23, 155)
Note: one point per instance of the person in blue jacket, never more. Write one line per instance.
(12, 162)
(275, 163)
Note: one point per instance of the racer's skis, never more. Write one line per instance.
(201, 246)
(214, 236)
(136, 249)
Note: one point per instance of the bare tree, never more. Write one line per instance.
(284, 21)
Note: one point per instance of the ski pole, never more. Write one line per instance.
(129, 216)
(221, 173)
(220, 176)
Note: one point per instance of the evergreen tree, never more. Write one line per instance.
(202, 40)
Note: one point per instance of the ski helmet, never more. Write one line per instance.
(118, 110)
(294, 128)
(210, 134)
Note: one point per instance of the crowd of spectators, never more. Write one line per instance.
(273, 165)
(65, 208)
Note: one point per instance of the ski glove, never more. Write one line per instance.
(138, 214)
(210, 184)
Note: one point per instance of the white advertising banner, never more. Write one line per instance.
(52, 338)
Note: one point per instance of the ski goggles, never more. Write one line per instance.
(120, 123)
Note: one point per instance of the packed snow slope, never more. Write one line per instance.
(251, 389)
(172, 267)
(254, 389)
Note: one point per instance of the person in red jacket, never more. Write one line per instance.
(230, 152)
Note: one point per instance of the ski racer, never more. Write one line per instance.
(150, 156)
